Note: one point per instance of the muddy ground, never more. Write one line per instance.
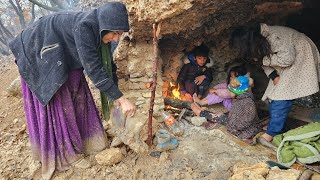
(201, 154)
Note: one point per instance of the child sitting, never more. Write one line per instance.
(242, 120)
(195, 77)
(220, 92)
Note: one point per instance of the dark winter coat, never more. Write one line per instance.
(189, 72)
(59, 43)
(243, 117)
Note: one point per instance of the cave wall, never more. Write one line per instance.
(184, 25)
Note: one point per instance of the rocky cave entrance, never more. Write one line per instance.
(190, 23)
(212, 27)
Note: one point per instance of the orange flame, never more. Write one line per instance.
(175, 91)
(171, 107)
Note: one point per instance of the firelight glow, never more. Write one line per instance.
(175, 91)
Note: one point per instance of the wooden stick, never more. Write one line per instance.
(181, 114)
(156, 33)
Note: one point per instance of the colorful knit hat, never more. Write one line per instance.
(242, 85)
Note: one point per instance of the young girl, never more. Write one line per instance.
(242, 120)
(220, 92)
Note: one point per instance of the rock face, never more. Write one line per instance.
(261, 171)
(276, 173)
(15, 88)
(131, 131)
(109, 157)
(184, 25)
(198, 121)
(257, 171)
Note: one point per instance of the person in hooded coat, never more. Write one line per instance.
(291, 61)
(51, 54)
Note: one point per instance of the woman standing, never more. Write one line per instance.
(63, 121)
(291, 61)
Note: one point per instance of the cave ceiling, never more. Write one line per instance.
(202, 21)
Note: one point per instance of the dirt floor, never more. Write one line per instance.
(201, 154)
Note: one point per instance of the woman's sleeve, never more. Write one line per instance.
(283, 52)
(221, 86)
(268, 70)
(224, 93)
(222, 90)
(86, 44)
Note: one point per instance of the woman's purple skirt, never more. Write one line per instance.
(68, 127)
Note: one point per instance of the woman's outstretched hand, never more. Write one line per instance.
(127, 107)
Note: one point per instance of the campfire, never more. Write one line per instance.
(174, 101)
(171, 90)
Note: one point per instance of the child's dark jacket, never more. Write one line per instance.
(190, 71)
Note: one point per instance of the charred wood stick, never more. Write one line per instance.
(173, 110)
(181, 114)
(177, 103)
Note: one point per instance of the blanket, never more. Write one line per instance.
(301, 144)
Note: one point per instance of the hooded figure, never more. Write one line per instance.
(63, 121)
(59, 43)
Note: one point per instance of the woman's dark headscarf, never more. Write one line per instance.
(117, 18)
(250, 42)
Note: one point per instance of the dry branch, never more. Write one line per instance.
(156, 32)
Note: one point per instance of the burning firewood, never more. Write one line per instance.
(177, 103)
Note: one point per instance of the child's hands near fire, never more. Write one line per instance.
(198, 80)
(188, 97)
(185, 96)
(195, 98)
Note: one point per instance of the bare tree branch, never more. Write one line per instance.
(61, 4)
(21, 18)
(4, 49)
(2, 40)
(45, 6)
(17, 8)
(5, 30)
(33, 15)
